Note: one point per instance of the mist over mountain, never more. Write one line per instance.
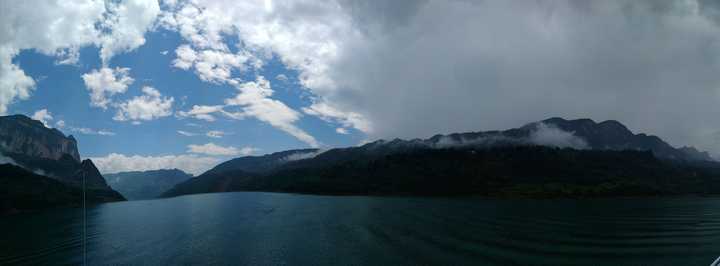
(150, 184)
(579, 157)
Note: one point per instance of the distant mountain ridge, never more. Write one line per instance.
(342, 170)
(578, 133)
(136, 185)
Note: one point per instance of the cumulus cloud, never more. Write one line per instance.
(44, 116)
(106, 82)
(114, 162)
(14, 84)
(60, 29)
(213, 65)
(203, 25)
(455, 66)
(213, 149)
(151, 105)
(127, 22)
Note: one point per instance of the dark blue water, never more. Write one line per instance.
(271, 229)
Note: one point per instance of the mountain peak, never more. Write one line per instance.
(91, 174)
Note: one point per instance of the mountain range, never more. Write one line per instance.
(553, 157)
(41, 167)
(137, 185)
(50, 166)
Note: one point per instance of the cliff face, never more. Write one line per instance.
(21, 135)
(52, 171)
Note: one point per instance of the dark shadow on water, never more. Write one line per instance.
(274, 228)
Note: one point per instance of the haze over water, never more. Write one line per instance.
(270, 228)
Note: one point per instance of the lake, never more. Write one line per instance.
(248, 228)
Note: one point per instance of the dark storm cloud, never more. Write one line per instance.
(446, 66)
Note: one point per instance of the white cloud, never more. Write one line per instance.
(202, 112)
(595, 59)
(214, 66)
(187, 134)
(213, 149)
(281, 77)
(60, 29)
(186, 56)
(151, 105)
(68, 56)
(127, 21)
(164, 52)
(303, 41)
(105, 133)
(341, 130)
(44, 116)
(105, 83)
(253, 98)
(215, 134)
(61, 124)
(193, 164)
(14, 84)
(90, 131)
(331, 114)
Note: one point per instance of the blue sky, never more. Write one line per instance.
(126, 76)
(61, 91)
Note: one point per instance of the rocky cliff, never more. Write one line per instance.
(44, 154)
(21, 135)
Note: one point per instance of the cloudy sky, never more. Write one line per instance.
(187, 84)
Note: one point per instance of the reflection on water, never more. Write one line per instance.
(269, 228)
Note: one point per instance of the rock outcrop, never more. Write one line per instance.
(22, 135)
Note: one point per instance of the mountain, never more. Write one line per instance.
(559, 132)
(264, 163)
(137, 185)
(22, 190)
(48, 153)
(22, 135)
(553, 157)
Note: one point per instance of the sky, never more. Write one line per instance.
(188, 84)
